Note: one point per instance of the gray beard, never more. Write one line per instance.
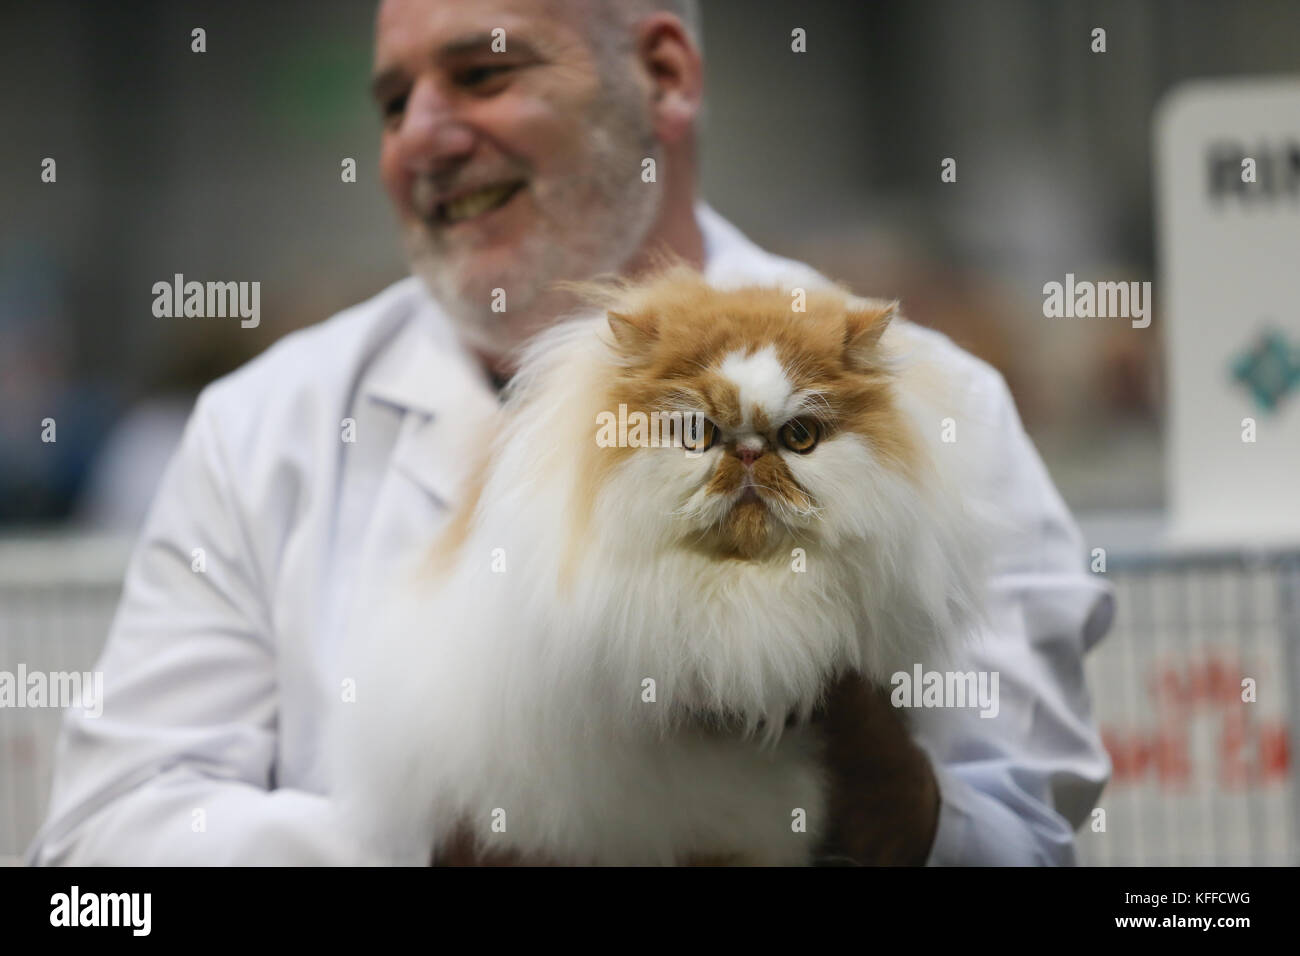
(592, 223)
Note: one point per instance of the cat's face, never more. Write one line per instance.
(786, 415)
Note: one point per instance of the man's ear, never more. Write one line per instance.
(634, 334)
(672, 62)
(863, 328)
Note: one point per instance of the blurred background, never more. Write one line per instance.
(226, 165)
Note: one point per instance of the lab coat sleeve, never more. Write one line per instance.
(1014, 786)
(178, 768)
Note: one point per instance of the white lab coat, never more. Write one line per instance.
(222, 659)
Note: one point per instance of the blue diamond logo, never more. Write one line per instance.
(1270, 371)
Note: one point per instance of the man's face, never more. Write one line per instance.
(509, 168)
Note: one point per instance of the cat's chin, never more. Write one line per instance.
(750, 532)
(721, 546)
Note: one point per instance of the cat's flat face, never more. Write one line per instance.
(787, 413)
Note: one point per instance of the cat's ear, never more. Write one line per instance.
(863, 328)
(633, 333)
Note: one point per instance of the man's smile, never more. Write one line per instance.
(450, 209)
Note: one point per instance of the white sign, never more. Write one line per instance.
(1228, 237)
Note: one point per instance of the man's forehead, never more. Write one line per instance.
(435, 26)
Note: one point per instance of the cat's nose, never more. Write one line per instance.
(749, 455)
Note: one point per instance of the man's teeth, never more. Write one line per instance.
(480, 201)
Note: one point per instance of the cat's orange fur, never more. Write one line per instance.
(675, 329)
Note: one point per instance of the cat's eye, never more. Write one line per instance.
(800, 435)
(698, 433)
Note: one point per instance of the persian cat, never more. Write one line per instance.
(696, 508)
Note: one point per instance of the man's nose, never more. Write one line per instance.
(432, 137)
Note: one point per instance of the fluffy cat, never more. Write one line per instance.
(616, 652)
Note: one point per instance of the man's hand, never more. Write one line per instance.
(883, 804)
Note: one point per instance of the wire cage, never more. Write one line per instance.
(1194, 690)
(57, 600)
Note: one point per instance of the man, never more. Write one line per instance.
(515, 136)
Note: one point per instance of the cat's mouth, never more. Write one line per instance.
(743, 522)
(752, 520)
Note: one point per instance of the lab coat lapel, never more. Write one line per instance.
(442, 400)
(445, 401)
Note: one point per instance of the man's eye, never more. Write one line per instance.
(393, 107)
(478, 75)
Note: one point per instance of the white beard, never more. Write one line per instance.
(520, 696)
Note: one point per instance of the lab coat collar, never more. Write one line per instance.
(425, 368)
(443, 395)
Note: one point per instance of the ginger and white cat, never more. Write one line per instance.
(614, 655)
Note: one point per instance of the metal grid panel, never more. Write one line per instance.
(1201, 777)
(57, 599)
